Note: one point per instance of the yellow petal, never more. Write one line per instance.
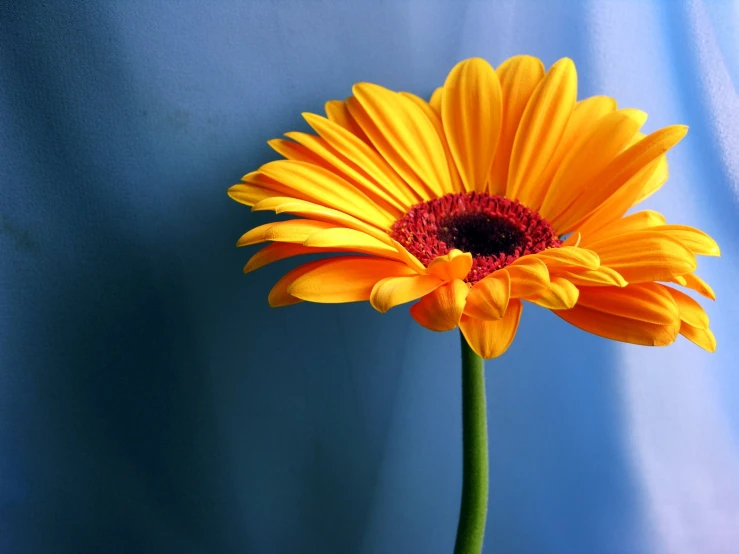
(345, 279)
(620, 328)
(587, 160)
(280, 205)
(337, 112)
(392, 291)
(488, 298)
(294, 230)
(256, 187)
(645, 256)
(471, 111)
(519, 76)
(292, 151)
(617, 174)
(441, 309)
(690, 311)
(693, 239)
(248, 194)
(351, 239)
(648, 302)
(278, 296)
(435, 119)
(402, 133)
(560, 295)
(601, 277)
(701, 337)
(569, 256)
(277, 251)
(453, 265)
(695, 283)
(528, 275)
(584, 117)
(654, 180)
(435, 100)
(491, 338)
(328, 189)
(364, 158)
(385, 197)
(613, 208)
(542, 125)
(634, 222)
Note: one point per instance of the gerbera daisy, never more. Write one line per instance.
(502, 188)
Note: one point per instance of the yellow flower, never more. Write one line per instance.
(502, 188)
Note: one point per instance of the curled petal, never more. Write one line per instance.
(454, 265)
(560, 295)
(442, 309)
(491, 338)
(529, 276)
(488, 298)
(392, 291)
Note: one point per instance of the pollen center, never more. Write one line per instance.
(494, 229)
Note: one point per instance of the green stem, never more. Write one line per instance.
(474, 508)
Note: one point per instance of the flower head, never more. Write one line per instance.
(503, 188)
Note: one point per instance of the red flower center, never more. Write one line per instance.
(495, 230)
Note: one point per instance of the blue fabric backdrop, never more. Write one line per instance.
(151, 401)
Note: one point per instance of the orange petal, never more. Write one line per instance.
(344, 279)
(354, 240)
(392, 291)
(690, 311)
(491, 338)
(453, 265)
(488, 298)
(652, 176)
(528, 275)
(620, 328)
(617, 174)
(519, 76)
(648, 302)
(441, 309)
(277, 251)
(294, 230)
(695, 283)
(587, 160)
(701, 337)
(645, 256)
(584, 117)
(471, 111)
(569, 257)
(693, 239)
(541, 127)
(560, 295)
(601, 277)
(635, 222)
(279, 296)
